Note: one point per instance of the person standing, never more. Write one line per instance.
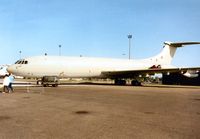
(11, 78)
(6, 82)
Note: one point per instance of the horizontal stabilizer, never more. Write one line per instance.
(180, 44)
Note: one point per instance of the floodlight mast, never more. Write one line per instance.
(129, 37)
(20, 54)
(59, 50)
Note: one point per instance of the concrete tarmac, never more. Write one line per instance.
(100, 112)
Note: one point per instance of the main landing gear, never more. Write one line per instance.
(123, 82)
(120, 82)
(135, 83)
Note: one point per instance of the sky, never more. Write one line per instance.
(98, 28)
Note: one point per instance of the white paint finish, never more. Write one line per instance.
(81, 67)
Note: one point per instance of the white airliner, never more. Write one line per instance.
(85, 67)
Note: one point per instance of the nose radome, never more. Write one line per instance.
(10, 69)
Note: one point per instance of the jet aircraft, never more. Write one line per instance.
(87, 67)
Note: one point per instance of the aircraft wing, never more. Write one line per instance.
(145, 72)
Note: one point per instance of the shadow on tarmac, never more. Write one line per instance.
(143, 85)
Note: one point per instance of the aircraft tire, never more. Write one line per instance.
(120, 82)
(135, 83)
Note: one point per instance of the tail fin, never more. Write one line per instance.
(167, 54)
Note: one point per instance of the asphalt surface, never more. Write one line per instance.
(100, 112)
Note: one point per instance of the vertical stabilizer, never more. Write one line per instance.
(168, 52)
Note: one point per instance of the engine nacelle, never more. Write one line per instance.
(191, 74)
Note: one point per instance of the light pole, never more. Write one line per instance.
(20, 54)
(59, 50)
(129, 37)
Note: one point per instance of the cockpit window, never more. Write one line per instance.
(21, 62)
(17, 62)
